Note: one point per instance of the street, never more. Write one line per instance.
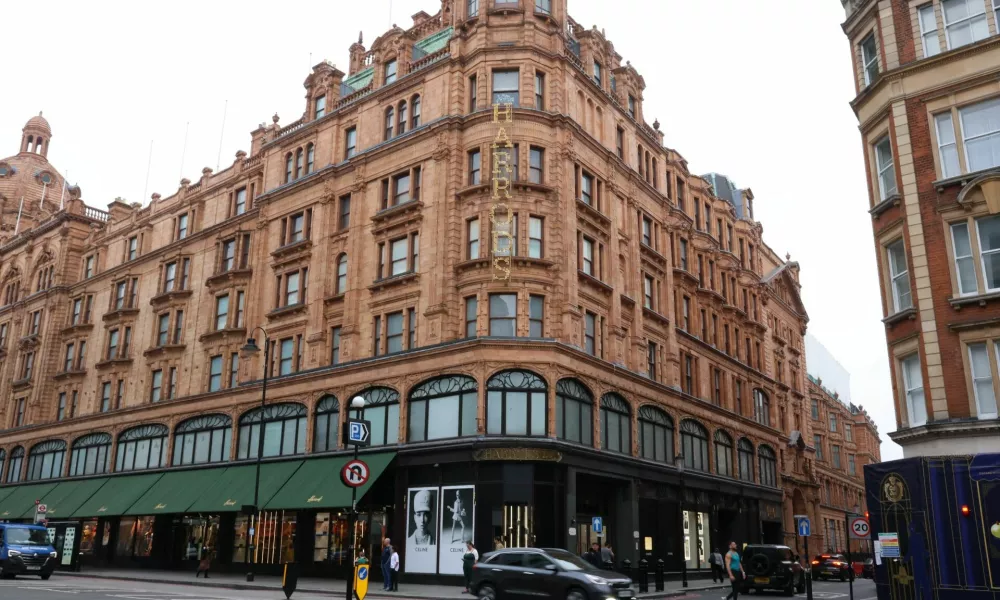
(90, 589)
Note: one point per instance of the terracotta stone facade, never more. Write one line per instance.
(359, 238)
(928, 104)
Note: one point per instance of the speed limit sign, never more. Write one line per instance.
(859, 528)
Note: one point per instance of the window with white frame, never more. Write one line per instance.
(988, 230)
(980, 126)
(964, 21)
(899, 276)
(913, 390)
(886, 168)
(965, 266)
(996, 12)
(928, 30)
(869, 58)
(982, 379)
(947, 147)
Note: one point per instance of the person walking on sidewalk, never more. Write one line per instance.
(734, 568)
(205, 563)
(386, 559)
(607, 557)
(394, 570)
(716, 561)
(470, 558)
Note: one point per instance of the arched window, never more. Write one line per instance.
(382, 409)
(38, 145)
(389, 115)
(288, 167)
(768, 466)
(45, 461)
(401, 122)
(327, 424)
(515, 404)
(204, 439)
(444, 407)
(284, 431)
(310, 158)
(723, 453)
(574, 412)
(415, 112)
(616, 424)
(656, 434)
(761, 407)
(341, 274)
(143, 447)
(694, 445)
(745, 451)
(90, 455)
(299, 163)
(16, 462)
(30, 148)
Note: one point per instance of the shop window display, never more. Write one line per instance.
(275, 538)
(696, 539)
(135, 537)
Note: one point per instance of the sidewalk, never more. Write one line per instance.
(307, 585)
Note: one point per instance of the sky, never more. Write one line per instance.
(756, 90)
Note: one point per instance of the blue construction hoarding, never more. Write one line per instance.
(946, 514)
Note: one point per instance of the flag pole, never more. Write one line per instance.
(20, 207)
(62, 196)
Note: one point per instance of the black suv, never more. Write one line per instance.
(770, 567)
(825, 566)
(521, 573)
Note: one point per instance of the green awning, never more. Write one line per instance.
(317, 484)
(235, 487)
(67, 497)
(6, 490)
(117, 495)
(22, 500)
(174, 493)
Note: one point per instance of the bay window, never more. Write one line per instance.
(978, 128)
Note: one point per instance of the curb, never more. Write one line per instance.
(327, 592)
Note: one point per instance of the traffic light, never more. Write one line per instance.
(965, 510)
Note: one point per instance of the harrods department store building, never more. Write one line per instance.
(643, 362)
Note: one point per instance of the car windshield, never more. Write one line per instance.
(569, 562)
(27, 537)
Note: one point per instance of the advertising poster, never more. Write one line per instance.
(421, 530)
(457, 518)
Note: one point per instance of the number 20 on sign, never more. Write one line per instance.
(501, 217)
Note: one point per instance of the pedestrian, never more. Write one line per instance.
(386, 559)
(716, 561)
(607, 557)
(498, 543)
(593, 556)
(394, 570)
(734, 568)
(470, 558)
(362, 559)
(204, 564)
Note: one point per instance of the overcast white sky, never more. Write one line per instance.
(756, 90)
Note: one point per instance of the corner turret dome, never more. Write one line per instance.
(35, 136)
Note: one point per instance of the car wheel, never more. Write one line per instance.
(575, 594)
(487, 592)
(801, 588)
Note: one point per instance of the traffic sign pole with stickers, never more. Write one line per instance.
(354, 474)
(804, 529)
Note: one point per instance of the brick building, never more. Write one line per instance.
(643, 362)
(846, 439)
(928, 104)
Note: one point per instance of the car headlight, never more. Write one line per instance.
(13, 553)
(53, 554)
(596, 580)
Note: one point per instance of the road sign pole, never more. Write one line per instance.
(809, 582)
(850, 564)
(803, 527)
(353, 521)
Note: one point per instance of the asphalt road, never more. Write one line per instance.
(864, 589)
(89, 589)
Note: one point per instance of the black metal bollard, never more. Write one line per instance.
(643, 576)
(608, 565)
(659, 574)
(626, 568)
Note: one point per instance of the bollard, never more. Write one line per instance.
(626, 568)
(608, 565)
(659, 574)
(643, 576)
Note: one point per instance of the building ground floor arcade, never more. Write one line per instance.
(466, 447)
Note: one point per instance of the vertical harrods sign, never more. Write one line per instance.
(501, 217)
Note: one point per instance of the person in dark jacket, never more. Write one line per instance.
(470, 558)
(386, 559)
(593, 556)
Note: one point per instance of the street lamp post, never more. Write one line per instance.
(358, 404)
(850, 564)
(679, 463)
(250, 349)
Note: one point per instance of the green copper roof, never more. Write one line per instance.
(360, 79)
(435, 41)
